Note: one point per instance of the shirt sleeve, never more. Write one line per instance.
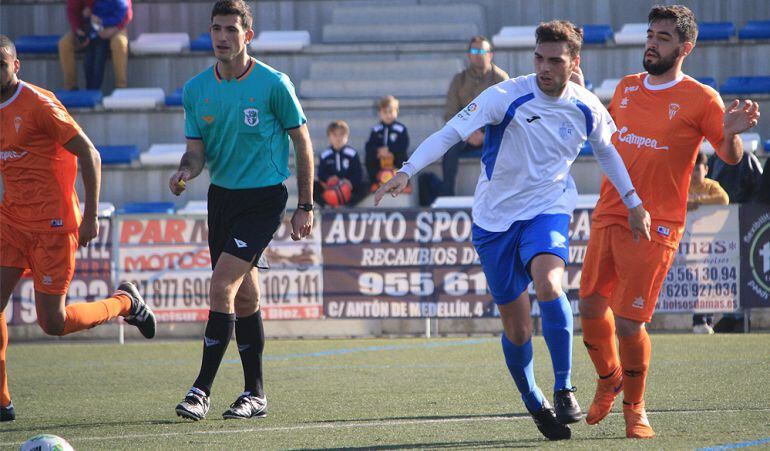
(191, 129)
(603, 128)
(712, 119)
(56, 122)
(285, 104)
(487, 108)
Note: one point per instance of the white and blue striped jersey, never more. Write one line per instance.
(531, 141)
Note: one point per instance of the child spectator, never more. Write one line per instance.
(704, 191)
(340, 176)
(387, 144)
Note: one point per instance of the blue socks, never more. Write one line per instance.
(557, 331)
(520, 362)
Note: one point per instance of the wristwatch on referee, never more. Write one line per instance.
(306, 207)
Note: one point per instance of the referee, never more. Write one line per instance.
(239, 116)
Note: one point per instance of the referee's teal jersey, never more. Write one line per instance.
(243, 124)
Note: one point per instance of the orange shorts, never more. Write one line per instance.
(628, 273)
(50, 256)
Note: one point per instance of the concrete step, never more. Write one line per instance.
(427, 32)
(384, 70)
(373, 88)
(409, 15)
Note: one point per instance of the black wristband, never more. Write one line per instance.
(306, 207)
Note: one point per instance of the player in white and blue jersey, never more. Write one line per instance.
(535, 126)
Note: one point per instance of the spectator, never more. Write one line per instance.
(340, 173)
(480, 74)
(741, 181)
(450, 163)
(704, 191)
(98, 29)
(387, 144)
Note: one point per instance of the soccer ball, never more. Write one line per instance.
(46, 442)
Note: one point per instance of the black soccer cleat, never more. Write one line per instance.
(7, 413)
(247, 406)
(141, 315)
(566, 406)
(549, 426)
(194, 406)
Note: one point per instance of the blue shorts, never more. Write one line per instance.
(505, 256)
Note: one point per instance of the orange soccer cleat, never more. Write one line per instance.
(606, 391)
(637, 424)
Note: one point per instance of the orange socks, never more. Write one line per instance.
(635, 359)
(85, 315)
(5, 394)
(599, 340)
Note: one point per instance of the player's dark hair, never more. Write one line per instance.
(561, 31)
(233, 8)
(338, 125)
(683, 17)
(6, 43)
(479, 39)
(701, 159)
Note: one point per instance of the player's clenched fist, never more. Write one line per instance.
(178, 182)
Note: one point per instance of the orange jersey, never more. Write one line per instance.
(38, 172)
(660, 129)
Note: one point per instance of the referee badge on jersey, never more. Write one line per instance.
(251, 117)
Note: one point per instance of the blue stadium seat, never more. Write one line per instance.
(708, 81)
(597, 34)
(175, 98)
(715, 31)
(586, 150)
(746, 85)
(589, 85)
(767, 146)
(202, 43)
(148, 207)
(755, 29)
(37, 44)
(118, 154)
(87, 98)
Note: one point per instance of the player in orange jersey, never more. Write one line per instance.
(40, 221)
(662, 116)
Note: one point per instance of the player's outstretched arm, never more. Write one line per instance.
(190, 166)
(739, 117)
(302, 220)
(91, 167)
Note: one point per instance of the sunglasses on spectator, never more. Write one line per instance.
(475, 51)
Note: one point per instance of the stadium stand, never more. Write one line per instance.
(163, 154)
(373, 79)
(511, 37)
(280, 41)
(126, 154)
(751, 142)
(632, 33)
(194, 206)
(404, 23)
(202, 43)
(746, 85)
(87, 98)
(134, 98)
(755, 29)
(160, 43)
(148, 207)
(715, 31)
(597, 33)
(37, 44)
(175, 98)
(103, 209)
(606, 90)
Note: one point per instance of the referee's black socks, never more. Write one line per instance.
(219, 329)
(250, 335)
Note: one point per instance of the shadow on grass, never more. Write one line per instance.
(37, 427)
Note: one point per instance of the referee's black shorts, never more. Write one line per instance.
(242, 221)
